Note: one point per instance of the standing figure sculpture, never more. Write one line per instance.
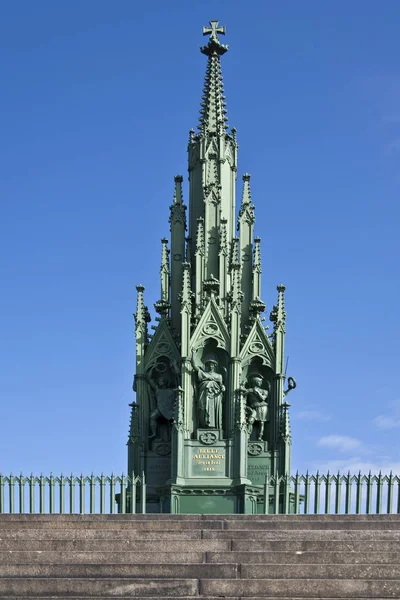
(163, 390)
(257, 405)
(210, 391)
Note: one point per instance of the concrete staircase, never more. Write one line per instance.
(199, 556)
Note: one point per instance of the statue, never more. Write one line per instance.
(257, 405)
(163, 389)
(209, 393)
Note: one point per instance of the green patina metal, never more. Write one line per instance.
(210, 418)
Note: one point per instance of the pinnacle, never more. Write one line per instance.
(246, 196)
(213, 113)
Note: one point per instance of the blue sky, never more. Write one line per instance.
(96, 104)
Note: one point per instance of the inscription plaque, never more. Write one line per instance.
(208, 462)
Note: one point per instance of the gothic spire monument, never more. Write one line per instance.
(210, 418)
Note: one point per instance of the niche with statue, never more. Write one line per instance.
(256, 388)
(209, 365)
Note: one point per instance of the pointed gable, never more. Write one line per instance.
(162, 344)
(258, 345)
(211, 325)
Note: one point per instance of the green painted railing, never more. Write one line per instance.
(69, 494)
(332, 494)
(296, 494)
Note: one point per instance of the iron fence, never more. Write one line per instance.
(290, 494)
(332, 494)
(69, 494)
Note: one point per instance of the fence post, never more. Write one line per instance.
(307, 494)
(32, 481)
(112, 493)
(297, 494)
(328, 494)
(144, 493)
(390, 494)
(133, 494)
(266, 492)
(379, 494)
(349, 482)
(369, 493)
(92, 498)
(2, 506)
(51, 494)
(359, 481)
(72, 494)
(21, 494)
(102, 494)
(317, 493)
(286, 488)
(123, 495)
(276, 494)
(338, 492)
(62, 494)
(398, 495)
(41, 494)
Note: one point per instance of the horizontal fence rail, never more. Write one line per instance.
(290, 494)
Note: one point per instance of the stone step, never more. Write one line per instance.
(136, 597)
(58, 597)
(154, 545)
(116, 571)
(249, 557)
(102, 586)
(96, 557)
(289, 545)
(134, 525)
(306, 558)
(310, 524)
(99, 534)
(303, 534)
(310, 517)
(205, 571)
(302, 588)
(324, 571)
(178, 588)
(75, 517)
(220, 524)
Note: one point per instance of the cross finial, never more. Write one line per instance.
(213, 31)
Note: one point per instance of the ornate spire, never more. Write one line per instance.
(235, 259)
(178, 189)
(140, 314)
(278, 317)
(188, 254)
(285, 429)
(142, 317)
(213, 113)
(186, 294)
(199, 266)
(177, 208)
(257, 306)
(281, 314)
(200, 241)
